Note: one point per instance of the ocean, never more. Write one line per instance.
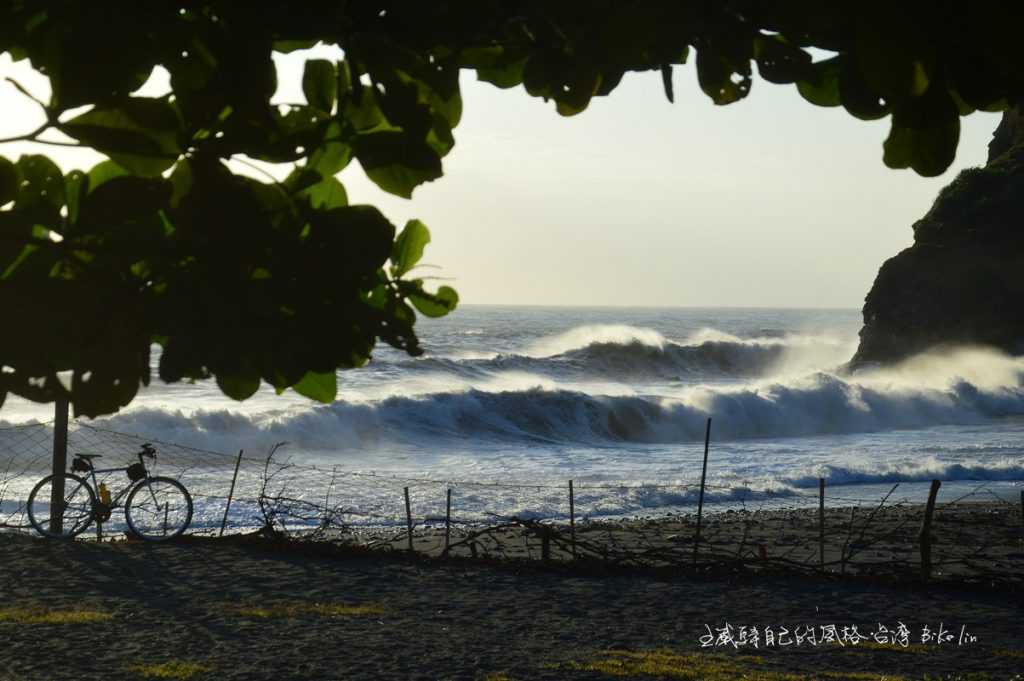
(523, 399)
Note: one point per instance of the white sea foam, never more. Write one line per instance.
(924, 470)
(819, 403)
(582, 336)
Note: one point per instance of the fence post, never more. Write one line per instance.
(700, 499)
(821, 524)
(572, 519)
(408, 518)
(926, 528)
(447, 523)
(60, 464)
(846, 542)
(231, 493)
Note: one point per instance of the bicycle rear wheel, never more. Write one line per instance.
(158, 509)
(77, 512)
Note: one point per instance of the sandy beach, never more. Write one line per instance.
(245, 608)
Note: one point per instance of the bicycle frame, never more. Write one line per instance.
(114, 501)
(85, 477)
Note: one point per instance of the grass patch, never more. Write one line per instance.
(175, 669)
(1006, 652)
(665, 664)
(271, 610)
(913, 648)
(40, 615)
(498, 676)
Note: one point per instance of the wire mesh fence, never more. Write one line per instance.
(978, 536)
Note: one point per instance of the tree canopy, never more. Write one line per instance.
(247, 280)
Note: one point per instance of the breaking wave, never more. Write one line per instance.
(631, 353)
(911, 471)
(815, 404)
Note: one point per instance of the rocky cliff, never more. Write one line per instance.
(963, 279)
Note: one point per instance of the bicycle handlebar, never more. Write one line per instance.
(148, 450)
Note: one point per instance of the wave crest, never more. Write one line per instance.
(814, 405)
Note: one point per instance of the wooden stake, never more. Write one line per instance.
(408, 517)
(448, 523)
(231, 493)
(846, 542)
(821, 524)
(925, 537)
(572, 519)
(700, 499)
(60, 464)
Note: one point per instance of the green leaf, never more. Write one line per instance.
(181, 181)
(238, 386)
(8, 181)
(715, 73)
(887, 58)
(25, 253)
(396, 163)
(41, 192)
(104, 172)
(821, 87)
(504, 76)
(322, 387)
(778, 61)
(320, 84)
(125, 199)
(857, 97)
(286, 46)
(300, 178)
(355, 240)
(666, 82)
(924, 134)
(140, 134)
(408, 248)
(498, 65)
(435, 304)
(326, 194)
(76, 186)
(331, 157)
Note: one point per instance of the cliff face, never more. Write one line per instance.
(963, 279)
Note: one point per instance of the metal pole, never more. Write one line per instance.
(821, 524)
(231, 493)
(408, 517)
(60, 464)
(572, 519)
(703, 479)
(925, 537)
(448, 522)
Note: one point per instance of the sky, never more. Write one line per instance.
(768, 202)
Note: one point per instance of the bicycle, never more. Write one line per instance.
(156, 508)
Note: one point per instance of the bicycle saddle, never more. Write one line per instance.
(88, 456)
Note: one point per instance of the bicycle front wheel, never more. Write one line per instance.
(73, 516)
(158, 509)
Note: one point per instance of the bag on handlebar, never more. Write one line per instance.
(136, 472)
